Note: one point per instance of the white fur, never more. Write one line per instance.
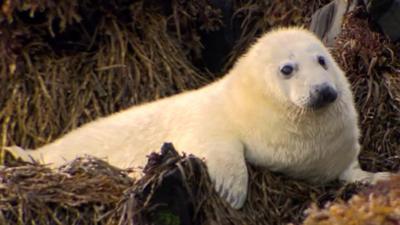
(251, 114)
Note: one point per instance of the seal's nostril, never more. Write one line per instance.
(323, 95)
(328, 94)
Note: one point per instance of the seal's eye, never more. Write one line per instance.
(322, 62)
(287, 70)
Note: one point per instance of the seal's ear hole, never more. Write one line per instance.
(322, 61)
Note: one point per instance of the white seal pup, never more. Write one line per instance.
(285, 105)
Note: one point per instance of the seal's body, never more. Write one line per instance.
(285, 105)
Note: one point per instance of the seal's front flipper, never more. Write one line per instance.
(228, 172)
(11, 155)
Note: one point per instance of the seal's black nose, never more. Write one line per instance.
(322, 95)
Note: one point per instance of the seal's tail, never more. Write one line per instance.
(11, 154)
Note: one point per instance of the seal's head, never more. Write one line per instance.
(297, 68)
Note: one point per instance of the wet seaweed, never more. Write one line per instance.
(66, 63)
(175, 189)
(372, 65)
(376, 205)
